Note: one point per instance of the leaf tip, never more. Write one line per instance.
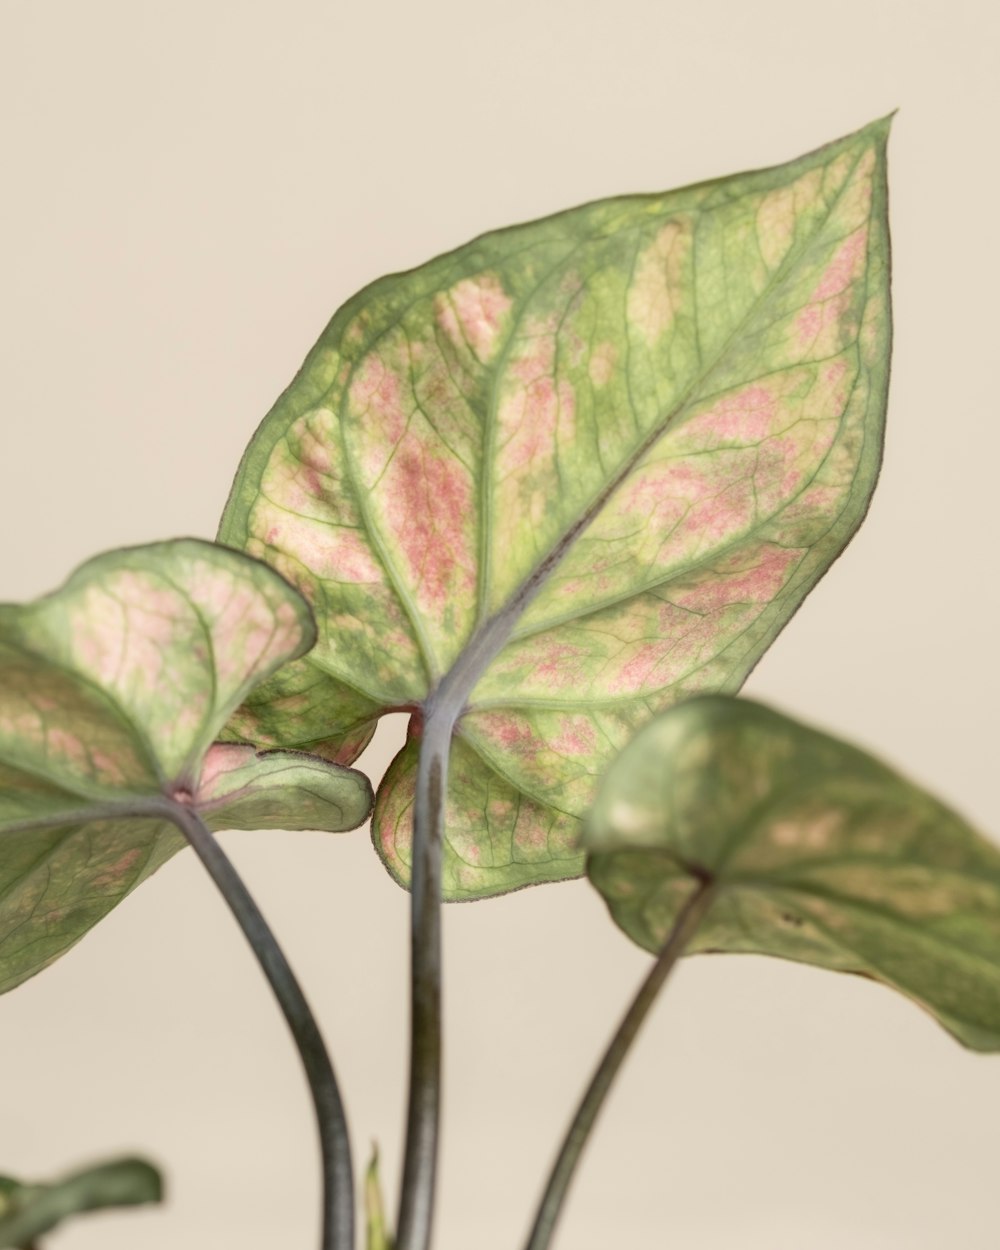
(881, 127)
(378, 1236)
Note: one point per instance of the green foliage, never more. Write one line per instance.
(112, 691)
(376, 1231)
(573, 472)
(819, 853)
(561, 485)
(27, 1210)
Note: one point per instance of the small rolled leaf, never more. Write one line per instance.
(112, 690)
(593, 464)
(820, 854)
(28, 1210)
(245, 789)
(376, 1230)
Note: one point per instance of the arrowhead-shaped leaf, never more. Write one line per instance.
(112, 691)
(592, 463)
(820, 854)
(27, 1210)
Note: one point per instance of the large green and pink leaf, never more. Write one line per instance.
(817, 852)
(113, 690)
(594, 462)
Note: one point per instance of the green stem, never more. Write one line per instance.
(561, 1176)
(338, 1178)
(416, 1203)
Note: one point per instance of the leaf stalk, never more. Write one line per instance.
(416, 1203)
(331, 1121)
(571, 1151)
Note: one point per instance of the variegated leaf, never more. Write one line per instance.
(819, 853)
(112, 692)
(597, 460)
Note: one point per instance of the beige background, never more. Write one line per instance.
(188, 191)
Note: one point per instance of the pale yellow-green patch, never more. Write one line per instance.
(659, 284)
(602, 362)
(473, 312)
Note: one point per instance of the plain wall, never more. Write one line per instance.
(188, 191)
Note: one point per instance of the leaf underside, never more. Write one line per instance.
(821, 854)
(624, 441)
(112, 691)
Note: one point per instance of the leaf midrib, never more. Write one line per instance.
(493, 634)
(714, 553)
